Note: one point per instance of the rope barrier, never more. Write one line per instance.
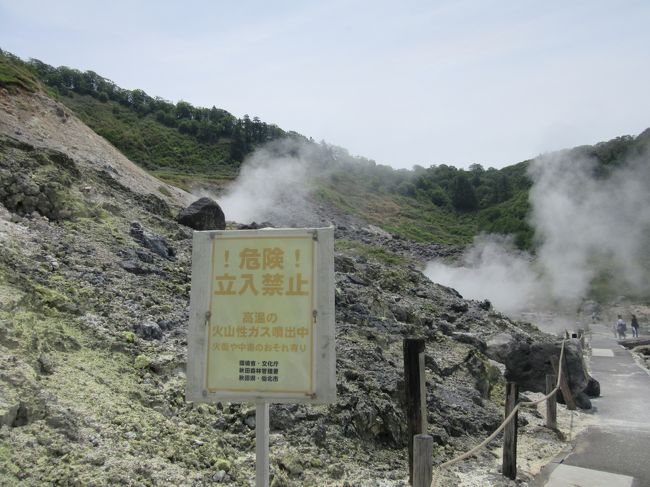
(460, 458)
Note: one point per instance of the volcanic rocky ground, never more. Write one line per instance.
(94, 295)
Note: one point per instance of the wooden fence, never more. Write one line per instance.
(421, 472)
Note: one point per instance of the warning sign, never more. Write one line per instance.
(262, 314)
(263, 317)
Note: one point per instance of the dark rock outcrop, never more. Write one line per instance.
(148, 330)
(157, 244)
(254, 226)
(471, 339)
(631, 343)
(593, 388)
(136, 268)
(203, 214)
(36, 180)
(528, 365)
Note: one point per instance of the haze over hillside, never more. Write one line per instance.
(591, 234)
(521, 205)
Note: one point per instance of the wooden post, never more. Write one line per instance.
(564, 384)
(551, 403)
(509, 468)
(422, 460)
(415, 392)
(262, 444)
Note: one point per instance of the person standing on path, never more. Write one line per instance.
(635, 326)
(620, 327)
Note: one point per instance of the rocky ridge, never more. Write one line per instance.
(94, 291)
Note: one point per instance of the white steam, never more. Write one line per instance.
(273, 185)
(491, 269)
(582, 220)
(263, 185)
(583, 224)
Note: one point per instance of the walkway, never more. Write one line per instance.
(616, 451)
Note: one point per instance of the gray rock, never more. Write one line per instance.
(8, 413)
(319, 434)
(144, 256)
(203, 214)
(343, 263)
(593, 388)
(470, 339)
(45, 364)
(250, 421)
(254, 226)
(167, 325)
(281, 417)
(63, 420)
(528, 365)
(499, 346)
(157, 244)
(220, 476)
(148, 330)
(459, 306)
(136, 268)
(357, 280)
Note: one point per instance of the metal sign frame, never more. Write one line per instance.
(323, 361)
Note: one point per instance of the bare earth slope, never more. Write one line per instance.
(36, 119)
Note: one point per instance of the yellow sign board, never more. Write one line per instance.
(261, 314)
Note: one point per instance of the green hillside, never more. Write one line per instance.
(14, 74)
(441, 203)
(184, 145)
(151, 131)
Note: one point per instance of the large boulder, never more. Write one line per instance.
(203, 214)
(528, 365)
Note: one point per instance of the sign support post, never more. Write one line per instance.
(262, 444)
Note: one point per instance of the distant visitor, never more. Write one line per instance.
(635, 327)
(621, 327)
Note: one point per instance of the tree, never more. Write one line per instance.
(463, 196)
(439, 197)
(503, 188)
(184, 110)
(237, 145)
(477, 172)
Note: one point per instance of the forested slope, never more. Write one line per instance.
(185, 145)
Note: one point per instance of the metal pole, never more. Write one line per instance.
(262, 444)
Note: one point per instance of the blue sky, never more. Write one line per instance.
(403, 83)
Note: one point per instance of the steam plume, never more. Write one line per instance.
(274, 183)
(492, 269)
(585, 223)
